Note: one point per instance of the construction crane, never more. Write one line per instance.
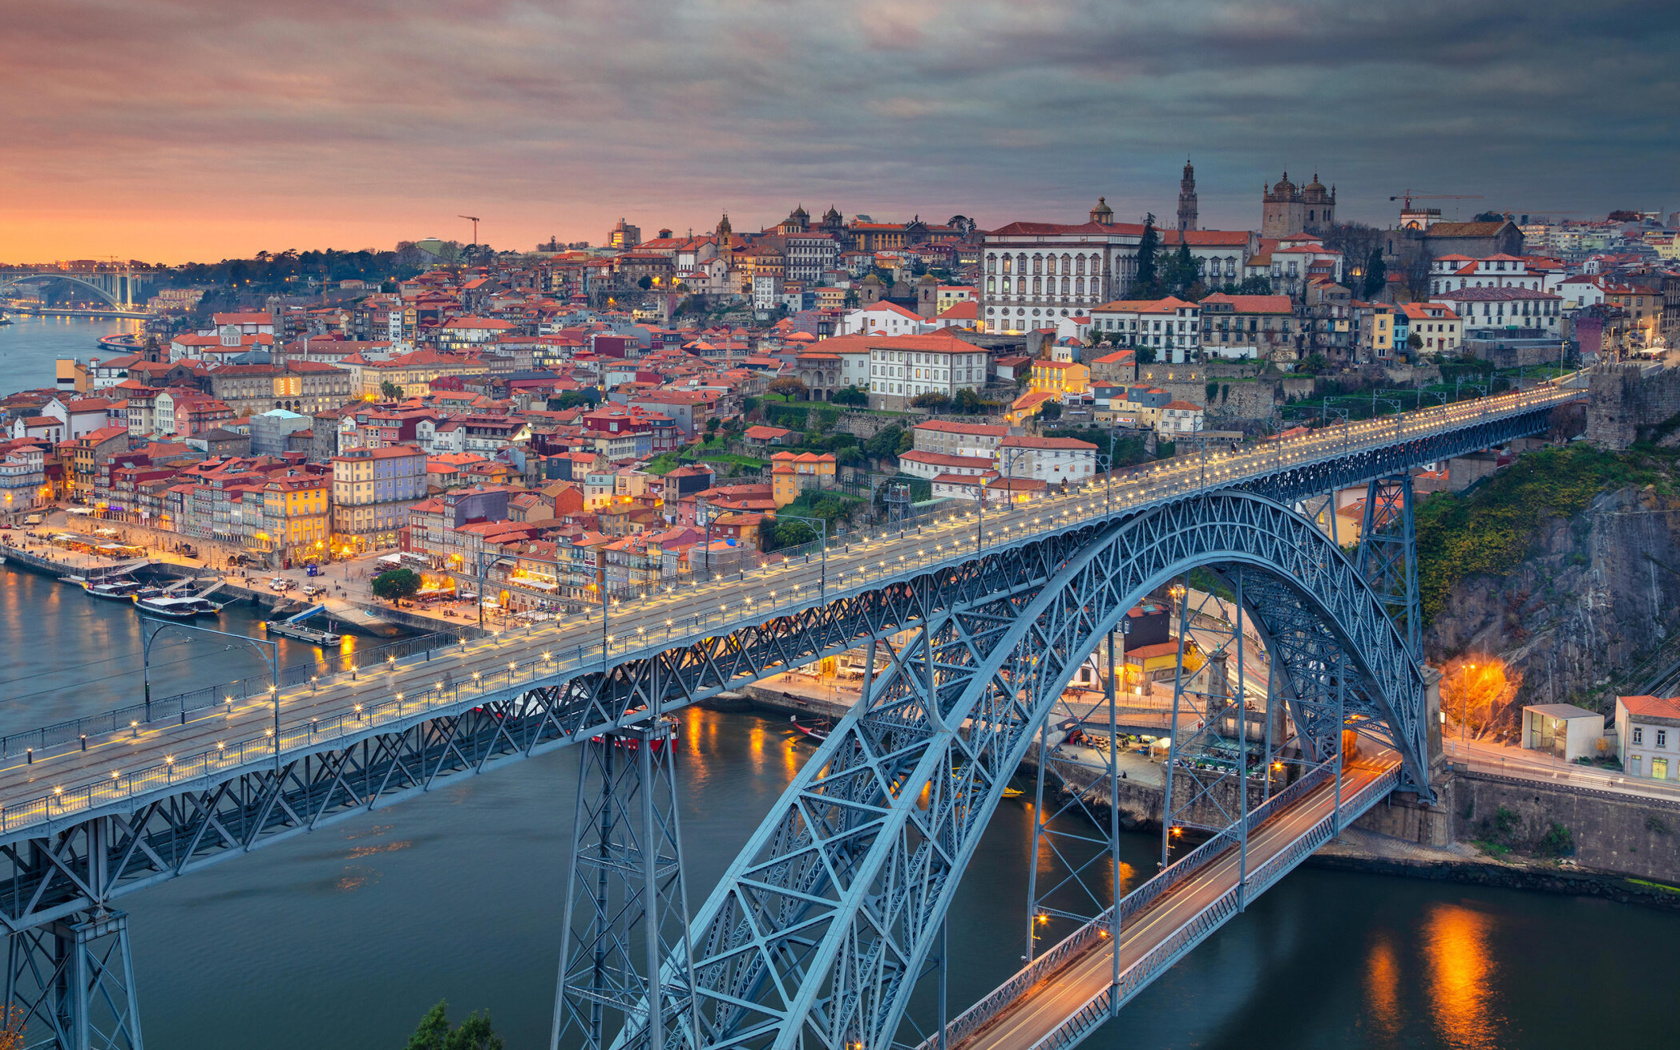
(474, 220)
(1409, 197)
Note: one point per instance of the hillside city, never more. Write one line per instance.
(579, 424)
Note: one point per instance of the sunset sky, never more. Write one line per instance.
(171, 130)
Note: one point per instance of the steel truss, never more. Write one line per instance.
(68, 870)
(1388, 553)
(816, 933)
(626, 905)
(71, 984)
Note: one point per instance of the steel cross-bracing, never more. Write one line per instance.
(80, 828)
(815, 935)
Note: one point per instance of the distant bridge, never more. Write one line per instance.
(120, 288)
(834, 909)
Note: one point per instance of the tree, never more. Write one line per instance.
(1376, 274)
(850, 395)
(712, 425)
(396, 584)
(1145, 281)
(1414, 341)
(1050, 411)
(789, 387)
(885, 442)
(1144, 355)
(434, 1033)
(1493, 216)
(968, 401)
(932, 400)
(1477, 694)
(644, 282)
(1180, 272)
(389, 390)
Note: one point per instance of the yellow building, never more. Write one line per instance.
(1382, 331)
(1060, 377)
(297, 518)
(792, 474)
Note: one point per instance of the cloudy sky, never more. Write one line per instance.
(199, 129)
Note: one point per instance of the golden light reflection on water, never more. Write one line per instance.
(1460, 969)
(1382, 988)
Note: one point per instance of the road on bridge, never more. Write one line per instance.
(1048, 1004)
(125, 765)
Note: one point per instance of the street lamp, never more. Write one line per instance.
(272, 657)
(823, 525)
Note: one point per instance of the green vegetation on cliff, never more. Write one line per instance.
(1489, 529)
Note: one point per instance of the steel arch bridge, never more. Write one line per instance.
(816, 933)
(1040, 588)
(128, 284)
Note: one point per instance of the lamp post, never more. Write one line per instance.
(271, 657)
(822, 586)
(483, 567)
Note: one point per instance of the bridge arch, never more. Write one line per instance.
(816, 934)
(12, 280)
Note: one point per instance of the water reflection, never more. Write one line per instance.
(1382, 990)
(1461, 967)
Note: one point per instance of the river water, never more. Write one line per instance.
(340, 940)
(30, 346)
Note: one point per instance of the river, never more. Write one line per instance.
(342, 939)
(30, 346)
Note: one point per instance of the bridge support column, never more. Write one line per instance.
(1202, 760)
(70, 984)
(1388, 553)
(626, 904)
(1072, 841)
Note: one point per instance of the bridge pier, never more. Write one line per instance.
(70, 984)
(626, 905)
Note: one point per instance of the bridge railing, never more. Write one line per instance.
(1057, 513)
(60, 802)
(1159, 957)
(1100, 928)
(41, 741)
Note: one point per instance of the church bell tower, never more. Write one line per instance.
(1187, 198)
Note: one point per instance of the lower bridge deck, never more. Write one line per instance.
(1069, 991)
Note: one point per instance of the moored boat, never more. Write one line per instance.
(120, 587)
(176, 608)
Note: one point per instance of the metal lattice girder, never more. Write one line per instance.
(626, 906)
(1388, 553)
(814, 933)
(71, 984)
(1294, 483)
(1203, 698)
(161, 833)
(59, 869)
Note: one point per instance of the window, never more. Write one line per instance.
(1662, 738)
(1638, 734)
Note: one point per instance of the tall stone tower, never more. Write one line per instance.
(1187, 198)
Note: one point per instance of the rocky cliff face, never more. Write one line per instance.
(1592, 608)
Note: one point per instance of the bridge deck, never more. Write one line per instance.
(120, 769)
(1056, 1010)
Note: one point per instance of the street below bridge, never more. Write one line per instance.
(153, 756)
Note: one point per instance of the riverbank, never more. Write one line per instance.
(1373, 853)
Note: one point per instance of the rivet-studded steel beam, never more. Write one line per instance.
(815, 933)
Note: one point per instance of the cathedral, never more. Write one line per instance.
(1287, 209)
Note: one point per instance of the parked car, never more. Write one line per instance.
(310, 590)
(279, 583)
